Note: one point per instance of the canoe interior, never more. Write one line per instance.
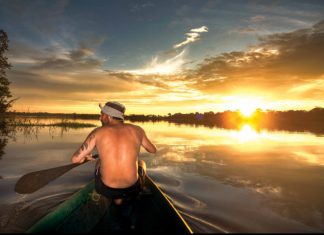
(87, 211)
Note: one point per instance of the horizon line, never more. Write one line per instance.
(237, 110)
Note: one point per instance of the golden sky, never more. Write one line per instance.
(270, 57)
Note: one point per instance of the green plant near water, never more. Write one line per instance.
(28, 122)
(30, 127)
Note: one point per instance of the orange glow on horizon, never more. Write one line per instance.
(172, 103)
(245, 105)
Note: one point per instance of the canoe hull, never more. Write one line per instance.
(88, 211)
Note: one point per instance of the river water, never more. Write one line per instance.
(220, 180)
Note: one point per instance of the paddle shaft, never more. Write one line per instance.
(33, 181)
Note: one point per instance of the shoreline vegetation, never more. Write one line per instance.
(291, 120)
(32, 120)
(11, 123)
(29, 123)
(63, 123)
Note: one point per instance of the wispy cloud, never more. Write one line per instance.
(172, 60)
(169, 66)
(246, 30)
(139, 7)
(79, 59)
(192, 36)
(257, 18)
(202, 29)
(55, 58)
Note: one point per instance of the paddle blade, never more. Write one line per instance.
(33, 181)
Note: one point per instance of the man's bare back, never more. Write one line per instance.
(118, 145)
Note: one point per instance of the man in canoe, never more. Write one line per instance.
(118, 145)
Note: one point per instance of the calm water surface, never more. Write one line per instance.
(220, 180)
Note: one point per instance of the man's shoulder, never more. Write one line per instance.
(99, 129)
(102, 131)
(133, 126)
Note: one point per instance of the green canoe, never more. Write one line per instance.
(87, 211)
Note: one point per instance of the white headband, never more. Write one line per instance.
(111, 111)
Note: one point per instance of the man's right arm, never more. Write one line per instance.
(84, 152)
(147, 144)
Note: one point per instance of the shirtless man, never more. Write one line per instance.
(118, 145)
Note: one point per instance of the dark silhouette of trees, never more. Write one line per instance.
(291, 120)
(5, 94)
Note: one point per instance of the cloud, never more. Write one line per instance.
(68, 84)
(55, 57)
(192, 36)
(202, 29)
(152, 80)
(81, 58)
(246, 30)
(279, 61)
(140, 7)
(165, 67)
(38, 74)
(76, 73)
(169, 62)
(257, 18)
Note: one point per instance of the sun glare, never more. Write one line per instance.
(247, 110)
(246, 106)
(247, 133)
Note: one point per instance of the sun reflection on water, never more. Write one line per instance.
(311, 158)
(248, 134)
(194, 137)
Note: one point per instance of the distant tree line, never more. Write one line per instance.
(291, 120)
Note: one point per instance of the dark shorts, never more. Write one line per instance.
(115, 193)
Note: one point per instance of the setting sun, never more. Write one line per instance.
(247, 110)
(245, 105)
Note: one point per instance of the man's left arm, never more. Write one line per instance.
(84, 151)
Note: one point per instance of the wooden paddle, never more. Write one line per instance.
(33, 181)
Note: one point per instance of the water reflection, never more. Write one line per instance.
(280, 171)
(4, 133)
(29, 147)
(221, 180)
(247, 133)
(3, 143)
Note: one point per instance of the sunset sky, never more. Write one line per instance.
(160, 57)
